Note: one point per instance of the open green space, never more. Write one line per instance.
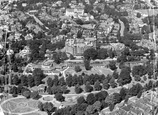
(19, 106)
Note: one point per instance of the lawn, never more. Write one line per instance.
(94, 70)
(19, 105)
(22, 110)
(9, 106)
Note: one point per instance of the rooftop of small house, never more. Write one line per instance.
(88, 26)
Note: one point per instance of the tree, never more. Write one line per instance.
(55, 80)
(115, 75)
(80, 80)
(80, 113)
(56, 89)
(59, 97)
(90, 110)
(138, 15)
(87, 64)
(146, 29)
(112, 53)
(112, 82)
(69, 80)
(57, 59)
(15, 80)
(14, 67)
(137, 78)
(97, 105)
(64, 89)
(31, 82)
(97, 86)
(101, 96)
(90, 99)
(99, 9)
(116, 98)
(78, 69)
(124, 77)
(49, 82)
(88, 88)
(49, 90)
(14, 91)
(144, 78)
(80, 22)
(102, 54)
(139, 70)
(81, 100)
(126, 99)
(111, 107)
(38, 76)
(48, 107)
(19, 89)
(35, 95)
(82, 107)
(79, 33)
(78, 89)
(112, 65)
(24, 81)
(71, 57)
(88, 8)
(104, 104)
(92, 2)
(152, 54)
(123, 93)
(27, 94)
(110, 99)
(90, 54)
(122, 58)
(135, 89)
(62, 81)
(106, 84)
(139, 94)
(40, 106)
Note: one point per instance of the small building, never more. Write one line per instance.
(69, 12)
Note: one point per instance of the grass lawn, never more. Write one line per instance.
(95, 70)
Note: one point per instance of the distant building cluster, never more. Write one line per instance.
(77, 46)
